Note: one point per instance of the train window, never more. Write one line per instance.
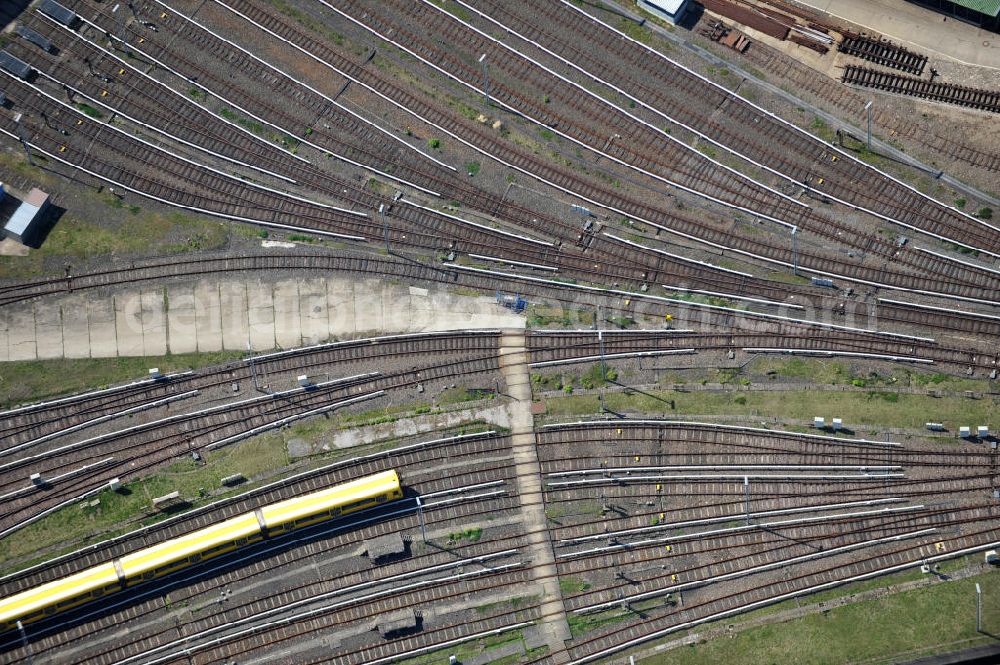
(357, 504)
(38, 614)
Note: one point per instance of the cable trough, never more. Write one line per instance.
(986, 100)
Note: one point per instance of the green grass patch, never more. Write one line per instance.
(458, 394)
(640, 33)
(89, 110)
(35, 380)
(472, 535)
(472, 168)
(570, 585)
(584, 623)
(887, 630)
(130, 230)
(822, 130)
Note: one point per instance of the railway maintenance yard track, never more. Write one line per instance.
(577, 344)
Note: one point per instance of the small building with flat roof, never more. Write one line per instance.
(28, 219)
(671, 11)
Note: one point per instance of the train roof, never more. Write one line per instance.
(175, 549)
(56, 591)
(333, 497)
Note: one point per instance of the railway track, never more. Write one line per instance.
(845, 99)
(927, 263)
(432, 471)
(723, 549)
(708, 581)
(72, 468)
(986, 100)
(839, 175)
(893, 311)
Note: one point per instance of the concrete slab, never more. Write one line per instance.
(48, 329)
(182, 325)
(910, 24)
(287, 324)
(422, 310)
(208, 316)
(340, 307)
(128, 323)
(369, 301)
(75, 326)
(314, 321)
(154, 323)
(21, 335)
(103, 333)
(260, 301)
(235, 325)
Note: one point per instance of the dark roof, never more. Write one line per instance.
(988, 7)
(56, 11)
(33, 37)
(14, 66)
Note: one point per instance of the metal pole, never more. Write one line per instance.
(604, 369)
(868, 108)
(20, 137)
(420, 514)
(486, 79)
(795, 252)
(385, 226)
(24, 641)
(746, 491)
(253, 369)
(979, 609)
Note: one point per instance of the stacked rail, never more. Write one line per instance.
(883, 53)
(986, 100)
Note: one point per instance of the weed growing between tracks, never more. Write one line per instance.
(858, 408)
(29, 381)
(903, 626)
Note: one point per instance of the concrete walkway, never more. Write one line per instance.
(514, 367)
(925, 29)
(209, 316)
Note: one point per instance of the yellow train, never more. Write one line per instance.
(171, 555)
